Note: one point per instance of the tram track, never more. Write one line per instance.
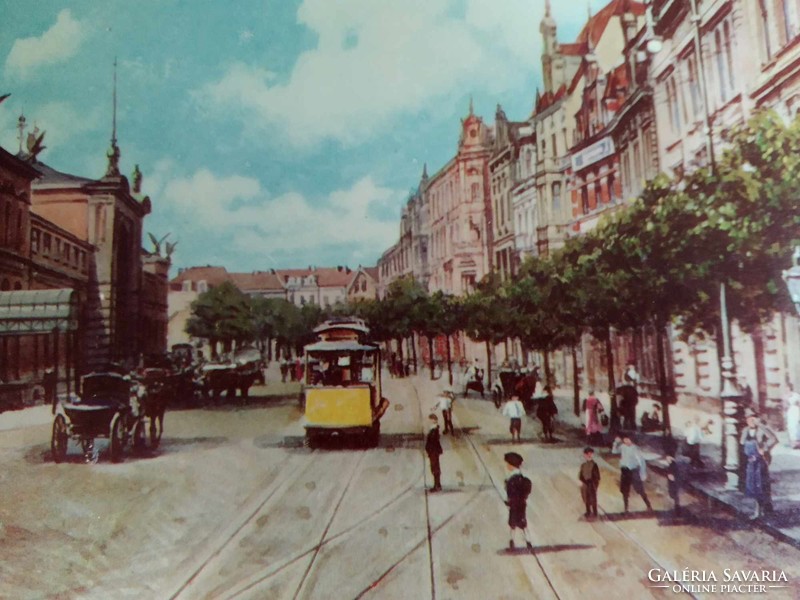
(230, 537)
(607, 521)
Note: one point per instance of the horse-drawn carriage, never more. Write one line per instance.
(109, 406)
(241, 373)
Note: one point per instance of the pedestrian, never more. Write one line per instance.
(589, 476)
(284, 366)
(674, 482)
(444, 403)
(792, 406)
(546, 412)
(433, 448)
(593, 408)
(514, 410)
(651, 421)
(518, 488)
(757, 441)
(524, 388)
(299, 367)
(633, 471)
(694, 435)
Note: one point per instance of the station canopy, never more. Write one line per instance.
(26, 312)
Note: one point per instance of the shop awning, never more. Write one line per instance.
(27, 312)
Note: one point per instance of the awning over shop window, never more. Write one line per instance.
(38, 311)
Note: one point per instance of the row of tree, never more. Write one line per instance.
(659, 261)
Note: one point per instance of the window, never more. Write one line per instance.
(476, 192)
(694, 88)
(202, 286)
(726, 34)
(721, 77)
(48, 240)
(612, 196)
(673, 106)
(585, 199)
(556, 198)
(598, 192)
(35, 241)
(186, 286)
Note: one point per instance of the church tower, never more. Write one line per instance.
(549, 46)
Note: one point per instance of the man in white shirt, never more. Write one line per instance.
(633, 471)
(444, 403)
(514, 410)
(694, 435)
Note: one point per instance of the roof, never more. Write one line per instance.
(209, 274)
(18, 165)
(257, 280)
(596, 25)
(37, 311)
(326, 276)
(52, 178)
(346, 346)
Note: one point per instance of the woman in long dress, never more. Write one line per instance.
(593, 408)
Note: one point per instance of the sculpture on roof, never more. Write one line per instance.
(137, 180)
(169, 247)
(35, 144)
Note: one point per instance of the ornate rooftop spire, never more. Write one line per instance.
(21, 127)
(113, 151)
(471, 110)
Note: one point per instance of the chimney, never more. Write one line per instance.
(628, 26)
(339, 268)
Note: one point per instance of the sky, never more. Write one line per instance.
(271, 133)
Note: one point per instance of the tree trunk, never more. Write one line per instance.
(611, 383)
(449, 360)
(665, 394)
(414, 352)
(548, 379)
(430, 350)
(402, 368)
(488, 363)
(269, 349)
(576, 385)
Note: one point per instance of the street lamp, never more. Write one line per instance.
(792, 279)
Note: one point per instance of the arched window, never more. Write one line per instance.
(5, 285)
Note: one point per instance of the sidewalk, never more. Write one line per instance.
(709, 482)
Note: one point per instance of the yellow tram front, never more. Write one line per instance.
(342, 387)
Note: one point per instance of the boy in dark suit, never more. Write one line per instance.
(589, 476)
(518, 488)
(433, 448)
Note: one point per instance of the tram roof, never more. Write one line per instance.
(342, 346)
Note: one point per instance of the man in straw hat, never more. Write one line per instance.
(518, 488)
(757, 441)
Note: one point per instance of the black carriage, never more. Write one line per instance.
(106, 408)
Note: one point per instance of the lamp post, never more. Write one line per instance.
(792, 279)
(730, 394)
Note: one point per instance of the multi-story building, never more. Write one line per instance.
(363, 285)
(523, 195)
(460, 212)
(503, 174)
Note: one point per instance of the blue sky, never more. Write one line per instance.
(271, 133)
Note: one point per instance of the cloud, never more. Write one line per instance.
(55, 45)
(239, 214)
(377, 61)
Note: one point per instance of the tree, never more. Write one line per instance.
(221, 315)
(487, 317)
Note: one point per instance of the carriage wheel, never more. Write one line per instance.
(139, 436)
(117, 436)
(60, 439)
(156, 429)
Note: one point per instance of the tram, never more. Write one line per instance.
(341, 395)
